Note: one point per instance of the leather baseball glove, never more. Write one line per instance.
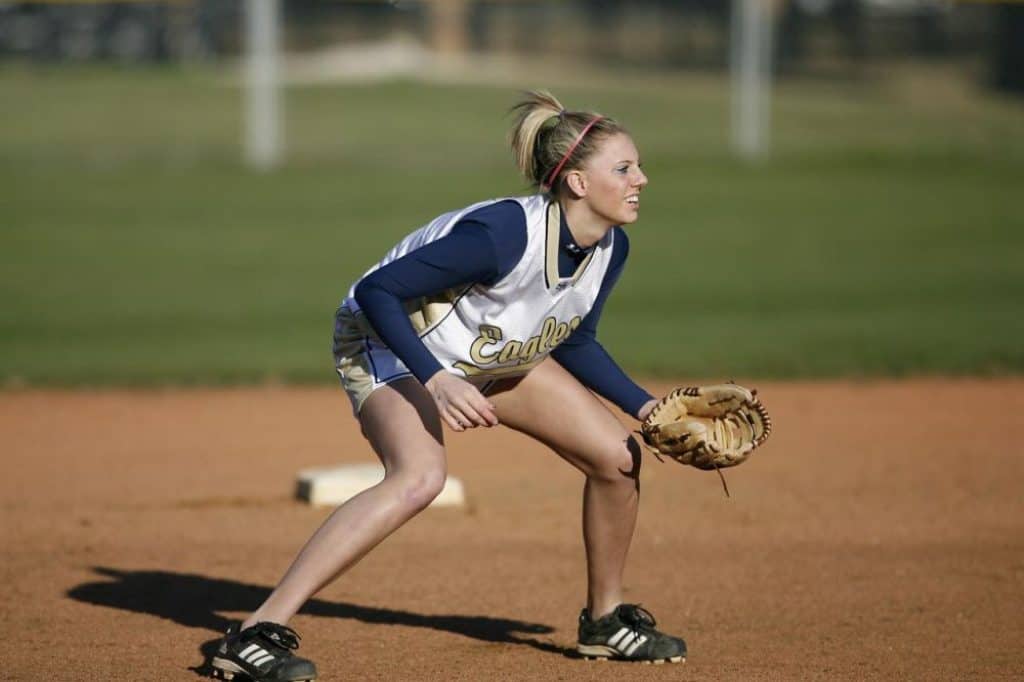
(709, 427)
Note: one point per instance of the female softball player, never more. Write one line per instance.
(488, 315)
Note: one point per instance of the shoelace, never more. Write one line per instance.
(637, 616)
(282, 635)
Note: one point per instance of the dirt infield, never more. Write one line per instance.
(879, 534)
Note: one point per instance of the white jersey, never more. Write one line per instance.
(505, 329)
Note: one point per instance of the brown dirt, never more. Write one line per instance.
(878, 534)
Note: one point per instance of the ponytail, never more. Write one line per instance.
(547, 141)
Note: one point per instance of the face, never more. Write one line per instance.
(612, 179)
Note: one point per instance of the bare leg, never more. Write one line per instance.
(587, 435)
(402, 425)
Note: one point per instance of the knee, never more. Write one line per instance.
(417, 489)
(620, 462)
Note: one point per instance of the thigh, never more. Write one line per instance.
(403, 426)
(552, 406)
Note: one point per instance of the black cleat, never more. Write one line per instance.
(262, 653)
(627, 634)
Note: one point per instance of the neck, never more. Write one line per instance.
(587, 227)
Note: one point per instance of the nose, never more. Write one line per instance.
(641, 178)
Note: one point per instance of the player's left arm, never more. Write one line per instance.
(586, 359)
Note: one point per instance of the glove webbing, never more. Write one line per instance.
(718, 470)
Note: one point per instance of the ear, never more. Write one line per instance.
(577, 183)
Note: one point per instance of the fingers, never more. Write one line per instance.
(472, 409)
(454, 423)
(460, 404)
(479, 410)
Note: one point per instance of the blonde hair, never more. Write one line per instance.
(544, 133)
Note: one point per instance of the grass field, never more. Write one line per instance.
(885, 236)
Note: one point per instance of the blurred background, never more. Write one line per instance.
(188, 188)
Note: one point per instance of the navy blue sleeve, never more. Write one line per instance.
(505, 223)
(587, 360)
(482, 247)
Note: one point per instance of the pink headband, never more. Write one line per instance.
(546, 185)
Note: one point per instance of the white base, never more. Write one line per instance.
(330, 486)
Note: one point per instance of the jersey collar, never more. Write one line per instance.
(553, 241)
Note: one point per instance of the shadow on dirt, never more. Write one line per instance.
(195, 600)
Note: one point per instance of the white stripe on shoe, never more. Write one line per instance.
(636, 645)
(260, 661)
(248, 650)
(260, 652)
(614, 641)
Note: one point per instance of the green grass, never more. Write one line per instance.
(884, 237)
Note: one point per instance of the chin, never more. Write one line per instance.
(621, 218)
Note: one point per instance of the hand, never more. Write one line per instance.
(459, 402)
(646, 409)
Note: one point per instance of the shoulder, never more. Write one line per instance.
(504, 221)
(503, 224)
(503, 214)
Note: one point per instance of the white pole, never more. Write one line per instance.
(263, 138)
(751, 66)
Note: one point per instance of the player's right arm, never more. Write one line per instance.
(468, 254)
